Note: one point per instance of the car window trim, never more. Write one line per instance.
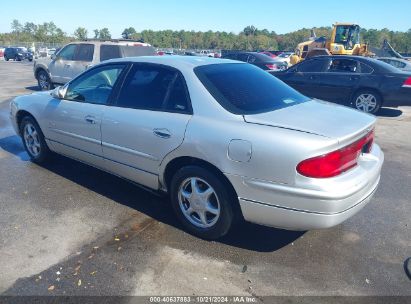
(115, 87)
(189, 110)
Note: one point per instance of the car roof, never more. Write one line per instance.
(394, 58)
(378, 65)
(178, 62)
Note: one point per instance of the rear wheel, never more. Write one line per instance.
(367, 101)
(5, 58)
(202, 202)
(33, 140)
(44, 81)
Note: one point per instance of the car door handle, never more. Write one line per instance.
(312, 77)
(354, 78)
(90, 119)
(163, 133)
(67, 65)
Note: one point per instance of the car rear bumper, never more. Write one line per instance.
(399, 98)
(291, 219)
(301, 208)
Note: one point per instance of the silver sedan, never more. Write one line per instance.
(225, 140)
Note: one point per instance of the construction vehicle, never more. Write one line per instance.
(345, 40)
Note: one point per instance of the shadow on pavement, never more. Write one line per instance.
(389, 112)
(246, 235)
(33, 88)
(13, 145)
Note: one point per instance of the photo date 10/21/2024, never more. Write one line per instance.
(204, 299)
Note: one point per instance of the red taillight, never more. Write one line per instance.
(336, 162)
(271, 66)
(407, 83)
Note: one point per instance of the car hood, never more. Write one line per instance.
(317, 117)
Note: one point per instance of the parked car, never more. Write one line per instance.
(76, 57)
(205, 53)
(17, 54)
(364, 83)
(399, 63)
(2, 51)
(283, 60)
(260, 60)
(271, 55)
(225, 140)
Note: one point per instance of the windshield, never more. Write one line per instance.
(245, 89)
(347, 34)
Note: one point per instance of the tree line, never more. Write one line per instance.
(250, 38)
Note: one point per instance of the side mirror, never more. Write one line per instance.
(53, 57)
(58, 92)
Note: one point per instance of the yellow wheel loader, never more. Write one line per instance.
(345, 40)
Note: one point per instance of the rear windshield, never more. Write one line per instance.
(134, 51)
(245, 89)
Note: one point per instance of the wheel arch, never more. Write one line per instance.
(177, 163)
(21, 114)
(41, 68)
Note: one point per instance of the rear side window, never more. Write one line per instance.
(84, 52)
(67, 53)
(109, 52)
(343, 66)
(134, 51)
(245, 89)
(312, 66)
(366, 69)
(150, 87)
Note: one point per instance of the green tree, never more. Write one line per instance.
(80, 33)
(128, 33)
(16, 26)
(96, 34)
(104, 34)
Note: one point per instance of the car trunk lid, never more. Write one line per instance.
(317, 117)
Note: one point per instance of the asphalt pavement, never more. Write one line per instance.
(69, 229)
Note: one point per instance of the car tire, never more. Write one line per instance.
(209, 213)
(17, 58)
(33, 140)
(367, 101)
(43, 80)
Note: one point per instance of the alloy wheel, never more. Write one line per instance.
(199, 202)
(32, 140)
(43, 81)
(366, 103)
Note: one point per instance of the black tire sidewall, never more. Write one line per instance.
(48, 80)
(377, 98)
(225, 198)
(44, 152)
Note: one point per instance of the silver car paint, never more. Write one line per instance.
(263, 172)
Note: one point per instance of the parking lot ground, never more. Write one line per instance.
(69, 229)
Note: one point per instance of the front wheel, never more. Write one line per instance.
(367, 101)
(44, 81)
(33, 140)
(202, 202)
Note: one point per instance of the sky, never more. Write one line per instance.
(203, 15)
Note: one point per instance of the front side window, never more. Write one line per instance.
(343, 66)
(67, 53)
(246, 89)
(94, 86)
(312, 66)
(84, 52)
(151, 87)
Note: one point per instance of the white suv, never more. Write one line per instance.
(76, 57)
